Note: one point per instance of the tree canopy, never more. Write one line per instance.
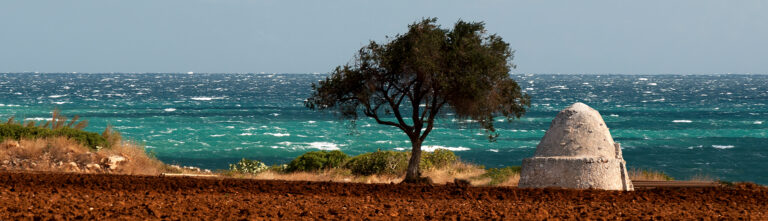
(416, 76)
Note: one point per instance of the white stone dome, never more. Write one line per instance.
(578, 130)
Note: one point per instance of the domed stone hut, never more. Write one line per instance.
(576, 152)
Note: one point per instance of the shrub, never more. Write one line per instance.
(436, 160)
(499, 175)
(317, 160)
(379, 162)
(279, 168)
(17, 132)
(248, 166)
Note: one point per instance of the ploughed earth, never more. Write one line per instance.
(25, 195)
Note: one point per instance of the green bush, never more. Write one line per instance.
(499, 175)
(436, 160)
(248, 166)
(17, 132)
(317, 160)
(379, 162)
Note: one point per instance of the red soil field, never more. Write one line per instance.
(58, 196)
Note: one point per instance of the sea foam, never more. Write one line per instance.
(722, 147)
(324, 145)
(432, 148)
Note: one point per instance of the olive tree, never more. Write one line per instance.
(412, 78)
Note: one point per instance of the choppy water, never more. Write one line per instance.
(681, 124)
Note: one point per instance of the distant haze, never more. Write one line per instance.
(627, 37)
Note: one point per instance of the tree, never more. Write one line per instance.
(418, 75)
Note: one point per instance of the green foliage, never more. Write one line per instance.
(395, 162)
(317, 160)
(431, 68)
(439, 159)
(279, 168)
(425, 72)
(248, 166)
(17, 132)
(379, 162)
(499, 175)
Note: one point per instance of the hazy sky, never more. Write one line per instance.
(632, 37)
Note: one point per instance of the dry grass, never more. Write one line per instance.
(512, 181)
(333, 175)
(61, 154)
(460, 170)
(463, 171)
(138, 160)
(647, 174)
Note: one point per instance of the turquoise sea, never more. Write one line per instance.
(684, 125)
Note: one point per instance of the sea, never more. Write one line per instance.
(687, 126)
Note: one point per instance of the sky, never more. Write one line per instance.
(285, 36)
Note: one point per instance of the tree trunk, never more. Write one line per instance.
(413, 174)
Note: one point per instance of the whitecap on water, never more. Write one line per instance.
(245, 134)
(57, 96)
(169, 109)
(432, 148)
(37, 119)
(494, 150)
(218, 135)
(758, 122)
(324, 146)
(722, 147)
(206, 98)
(278, 134)
(682, 121)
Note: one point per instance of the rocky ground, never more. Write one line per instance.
(25, 195)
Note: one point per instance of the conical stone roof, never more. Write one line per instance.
(578, 130)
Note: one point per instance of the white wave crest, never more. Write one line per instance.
(169, 109)
(722, 147)
(206, 98)
(57, 96)
(682, 121)
(278, 134)
(37, 119)
(758, 122)
(432, 148)
(324, 145)
(218, 135)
